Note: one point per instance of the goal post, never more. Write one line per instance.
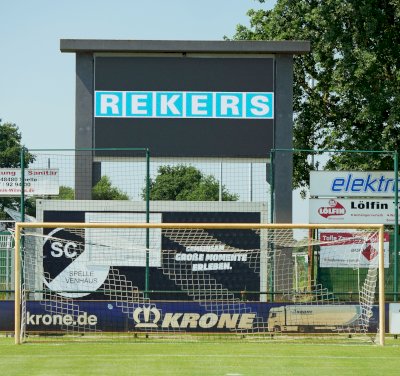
(206, 262)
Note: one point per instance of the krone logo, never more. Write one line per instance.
(146, 317)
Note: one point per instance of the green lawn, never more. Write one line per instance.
(201, 358)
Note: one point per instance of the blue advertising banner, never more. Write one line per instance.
(111, 316)
(175, 104)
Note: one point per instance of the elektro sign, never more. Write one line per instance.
(352, 183)
(185, 106)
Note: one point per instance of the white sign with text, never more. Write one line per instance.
(352, 183)
(345, 210)
(37, 182)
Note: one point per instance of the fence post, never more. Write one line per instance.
(271, 285)
(396, 225)
(22, 197)
(147, 278)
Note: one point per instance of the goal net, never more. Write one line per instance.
(244, 281)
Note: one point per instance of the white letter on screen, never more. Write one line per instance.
(169, 104)
(260, 102)
(136, 103)
(229, 102)
(199, 107)
(109, 101)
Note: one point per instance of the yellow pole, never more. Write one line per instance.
(196, 225)
(17, 286)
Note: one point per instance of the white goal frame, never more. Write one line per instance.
(20, 226)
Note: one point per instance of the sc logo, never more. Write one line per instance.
(59, 249)
(61, 243)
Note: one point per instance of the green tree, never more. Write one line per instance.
(10, 157)
(65, 193)
(185, 183)
(347, 90)
(104, 190)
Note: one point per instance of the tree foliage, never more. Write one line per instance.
(347, 90)
(10, 157)
(185, 183)
(104, 190)
(65, 193)
(10, 147)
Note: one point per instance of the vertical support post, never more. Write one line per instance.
(8, 266)
(220, 182)
(251, 182)
(296, 274)
(84, 125)
(310, 260)
(283, 139)
(17, 286)
(272, 186)
(147, 278)
(22, 203)
(381, 287)
(396, 226)
(272, 217)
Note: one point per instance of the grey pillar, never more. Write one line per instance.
(84, 126)
(283, 137)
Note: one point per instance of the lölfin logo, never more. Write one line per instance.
(335, 208)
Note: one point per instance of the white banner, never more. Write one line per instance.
(341, 210)
(344, 250)
(352, 183)
(37, 182)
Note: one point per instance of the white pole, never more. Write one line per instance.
(17, 287)
(381, 287)
(296, 273)
(251, 182)
(220, 181)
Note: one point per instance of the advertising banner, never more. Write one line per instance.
(345, 210)
(188, 316)
(352, 183)
(394, 318)
(78, 263)
(37, 182)
(176, 104)
(344, 250)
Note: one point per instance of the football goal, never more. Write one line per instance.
(243, 281)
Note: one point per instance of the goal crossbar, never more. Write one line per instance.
(20, 226)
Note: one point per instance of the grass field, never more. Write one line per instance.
(202, 358)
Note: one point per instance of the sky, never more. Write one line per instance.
(37, 81)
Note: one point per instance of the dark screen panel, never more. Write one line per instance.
(186, 137)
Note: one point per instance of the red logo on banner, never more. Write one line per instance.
(335, 208)
(369, 252)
